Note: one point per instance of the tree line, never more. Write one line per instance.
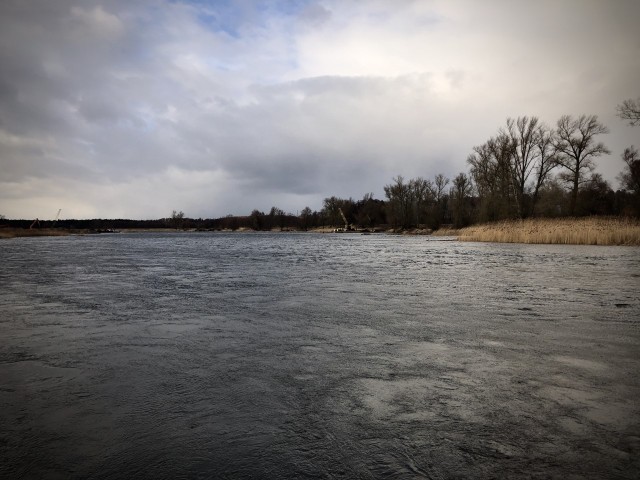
(526, 169)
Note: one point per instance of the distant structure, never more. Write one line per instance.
(347, 227)
(36, 222)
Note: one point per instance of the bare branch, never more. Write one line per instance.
(630, 110)
(576, 148)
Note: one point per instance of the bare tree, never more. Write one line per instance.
(630, 110)
(577, 148)
(422, 190)
(400, 204)
(277, 214)
(305, 218)
(460, 192)
(484, 171)
(630, 177)
(369, 211)
(437, 200)
(177, 218)
(257, 219)
(439, 182)
(547, 160)
(523, 135)
(492, 172)
(330, 209)
(503, 148)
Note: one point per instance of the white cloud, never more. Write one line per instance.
(97, 22)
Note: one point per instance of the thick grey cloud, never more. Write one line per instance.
(112, 109)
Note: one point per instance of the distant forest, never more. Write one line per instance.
(527, 169)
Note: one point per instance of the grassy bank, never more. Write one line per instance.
(572, 231)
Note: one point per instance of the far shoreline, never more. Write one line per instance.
(609, 231)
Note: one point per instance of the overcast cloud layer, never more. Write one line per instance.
(132, 109)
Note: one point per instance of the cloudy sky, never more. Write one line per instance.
(133, 109)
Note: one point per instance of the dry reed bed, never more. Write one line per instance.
(573, 231)
(39, 232)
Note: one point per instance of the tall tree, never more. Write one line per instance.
(276, 217)
(400, 203)
(630, 176)
(547, 161)
(596, 197)
(369, 211)
(305, 218)
(257, 220)
(522, 132)
(483, 172)
(439, 184)
(177, 218)
(577, 148)
(502, 149)
(440, 197)
(422, 197)
(460, 195)
(630, 110)
(492, 172)
(331, 210)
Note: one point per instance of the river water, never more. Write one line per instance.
(302, 355)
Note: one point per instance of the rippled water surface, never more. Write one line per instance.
(333, 356)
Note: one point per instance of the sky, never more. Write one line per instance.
(120, 109)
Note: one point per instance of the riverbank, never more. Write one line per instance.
(48, 232)
(567, 231)
(34, 232)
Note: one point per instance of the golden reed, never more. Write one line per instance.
(572, 231)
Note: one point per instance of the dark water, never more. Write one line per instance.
(329, 356)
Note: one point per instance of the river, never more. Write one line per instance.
(239, 355)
